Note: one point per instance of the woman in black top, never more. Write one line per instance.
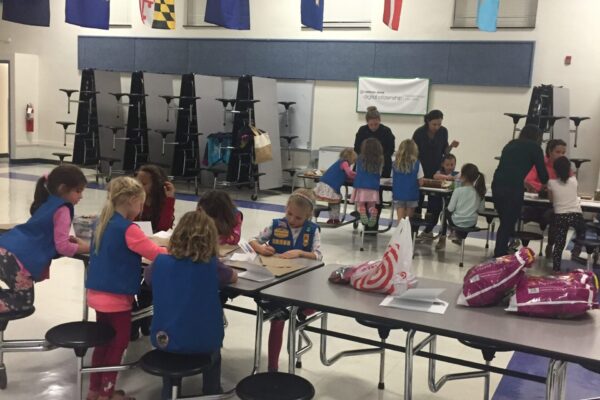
(517, 159)
(432, 141)
(375, 129)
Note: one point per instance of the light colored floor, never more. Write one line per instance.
(51, 375)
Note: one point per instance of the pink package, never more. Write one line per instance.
(488, 283)
(559, 296)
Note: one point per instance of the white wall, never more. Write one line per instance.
(473, 114)
(4, 108)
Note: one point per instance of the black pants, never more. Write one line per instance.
(435, 206)
(508, 201)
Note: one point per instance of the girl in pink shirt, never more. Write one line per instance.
(114, 277)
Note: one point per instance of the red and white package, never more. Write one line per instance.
(559, 296)
(488, 283)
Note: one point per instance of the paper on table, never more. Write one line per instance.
(281, 266)
(425, 300)
(162, 238)
(257, 273)
(145, 226)
(243, 257)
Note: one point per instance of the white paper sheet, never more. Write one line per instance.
(164, 234)
(243, 257)
(257, 273)
(425, 300)
(145, 226)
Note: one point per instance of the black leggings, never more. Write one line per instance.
(561, 224)
(508, 201)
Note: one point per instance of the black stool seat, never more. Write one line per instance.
(275, 386)
(80, 335)
(489, 214)
(164, 132)
(551, 118)
(167, 98)
(247, 101)
(377, 324)
(286, 104)
(173, 365)
(497, 158)
(65, 124)
(61, 155)
(115, 129)
(590, 244)
(110, 160)
(577, 120)
(488, 350)
(118, 95)
(288, 139)
(320, 208)
(515, 117)
(69, 92)
(14, 315)
(226, 101)
(594, 368)
(579, 161)
(526, 237)
(291, 171)
(462, 233)
(593, 226)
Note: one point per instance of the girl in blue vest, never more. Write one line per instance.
(328, 188)
(118, 246)
(406, 179)
(366, 182)
(188, 317)
(27, 250)
(294, 236)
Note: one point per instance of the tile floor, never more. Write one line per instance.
(51, 375)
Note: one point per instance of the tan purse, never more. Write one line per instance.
(263, 151)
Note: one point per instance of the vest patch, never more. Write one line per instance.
(281, 233)
(162, 339)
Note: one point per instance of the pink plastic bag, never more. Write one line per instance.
(488, 283)
(559, 296)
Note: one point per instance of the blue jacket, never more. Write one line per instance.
(405, 186)
(114, 268)
(335, 176)
(282, 239)
(33, 242)
(364, 179)
(188, 317)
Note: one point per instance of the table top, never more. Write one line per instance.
(251, 288)
(586, 205)
(576, 340)
(384, 183)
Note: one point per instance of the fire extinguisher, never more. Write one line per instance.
(29, 117)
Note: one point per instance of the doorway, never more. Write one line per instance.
(4, 113)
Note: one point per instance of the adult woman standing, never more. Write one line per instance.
(432, 140)
(517, 159)
(375, 129)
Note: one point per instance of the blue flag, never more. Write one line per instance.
(28, 12)
(487, 14)
(232, 14)
(88, 13)
(312, 13)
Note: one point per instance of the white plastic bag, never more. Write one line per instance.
(393, 273)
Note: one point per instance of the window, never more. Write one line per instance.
(511, 14)
(120, 14)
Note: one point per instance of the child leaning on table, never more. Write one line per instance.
(562, 192)
(113, 278)
(188, 317)
(293, 236)
(27, 250)
(328, 188)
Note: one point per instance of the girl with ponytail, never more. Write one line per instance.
(27, 250)
(118, 246)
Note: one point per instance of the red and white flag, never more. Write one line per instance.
(391, 13)
(147, 11)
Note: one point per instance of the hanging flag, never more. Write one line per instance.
(164, 14)
(312, 13)
(88, 13)
(147, 11)
(487, 14)
(232, 14)
(28, 12)
(391, 13)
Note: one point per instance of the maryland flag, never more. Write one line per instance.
(147, 11)
(164, 14)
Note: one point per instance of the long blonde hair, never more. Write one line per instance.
(195, 237)
(406, 156)
(304, 199)
(120, 190)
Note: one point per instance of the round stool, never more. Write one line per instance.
(275, 386)
(578, 162)
(4, 319)
(80, 336)
(61, 157)
(577, 121)
(526, 237)
(175, 366)
(384, 332)
(462, 233)
(488, 352)
(591, 248)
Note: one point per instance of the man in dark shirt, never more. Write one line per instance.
(517, 159)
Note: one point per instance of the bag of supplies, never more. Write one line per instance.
(559, 296)
(488, 283)
(262, 146)
(390, 275)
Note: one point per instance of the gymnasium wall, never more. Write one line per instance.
(473, 114)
